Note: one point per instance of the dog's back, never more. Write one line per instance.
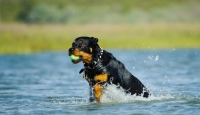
(119, 75)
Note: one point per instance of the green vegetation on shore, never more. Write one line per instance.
(23, 38)
(99, 11)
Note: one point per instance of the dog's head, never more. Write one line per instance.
(84, 48)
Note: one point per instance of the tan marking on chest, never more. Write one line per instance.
(101, 77)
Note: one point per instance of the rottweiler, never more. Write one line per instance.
(102, 68)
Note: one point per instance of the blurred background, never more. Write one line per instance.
(28, 26)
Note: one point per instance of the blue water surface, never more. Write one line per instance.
(48, 83)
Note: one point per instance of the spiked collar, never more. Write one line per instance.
(98, 57)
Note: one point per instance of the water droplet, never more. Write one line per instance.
(157, 57)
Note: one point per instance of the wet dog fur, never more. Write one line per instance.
(102, 68)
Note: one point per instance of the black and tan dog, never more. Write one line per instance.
(102, 68)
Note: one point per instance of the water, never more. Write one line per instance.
(48, 83)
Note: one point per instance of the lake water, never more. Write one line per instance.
(48, 83)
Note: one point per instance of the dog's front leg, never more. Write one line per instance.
(91, 99)
(98, 91)
(99, 79)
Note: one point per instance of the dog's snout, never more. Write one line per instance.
(71, 49)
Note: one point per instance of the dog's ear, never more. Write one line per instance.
(94, 40)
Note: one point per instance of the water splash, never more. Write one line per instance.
(114, 94)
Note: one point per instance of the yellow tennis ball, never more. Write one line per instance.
(73, 57)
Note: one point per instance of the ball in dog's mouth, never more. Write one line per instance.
(75, 59)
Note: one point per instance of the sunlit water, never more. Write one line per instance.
(48, 83)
